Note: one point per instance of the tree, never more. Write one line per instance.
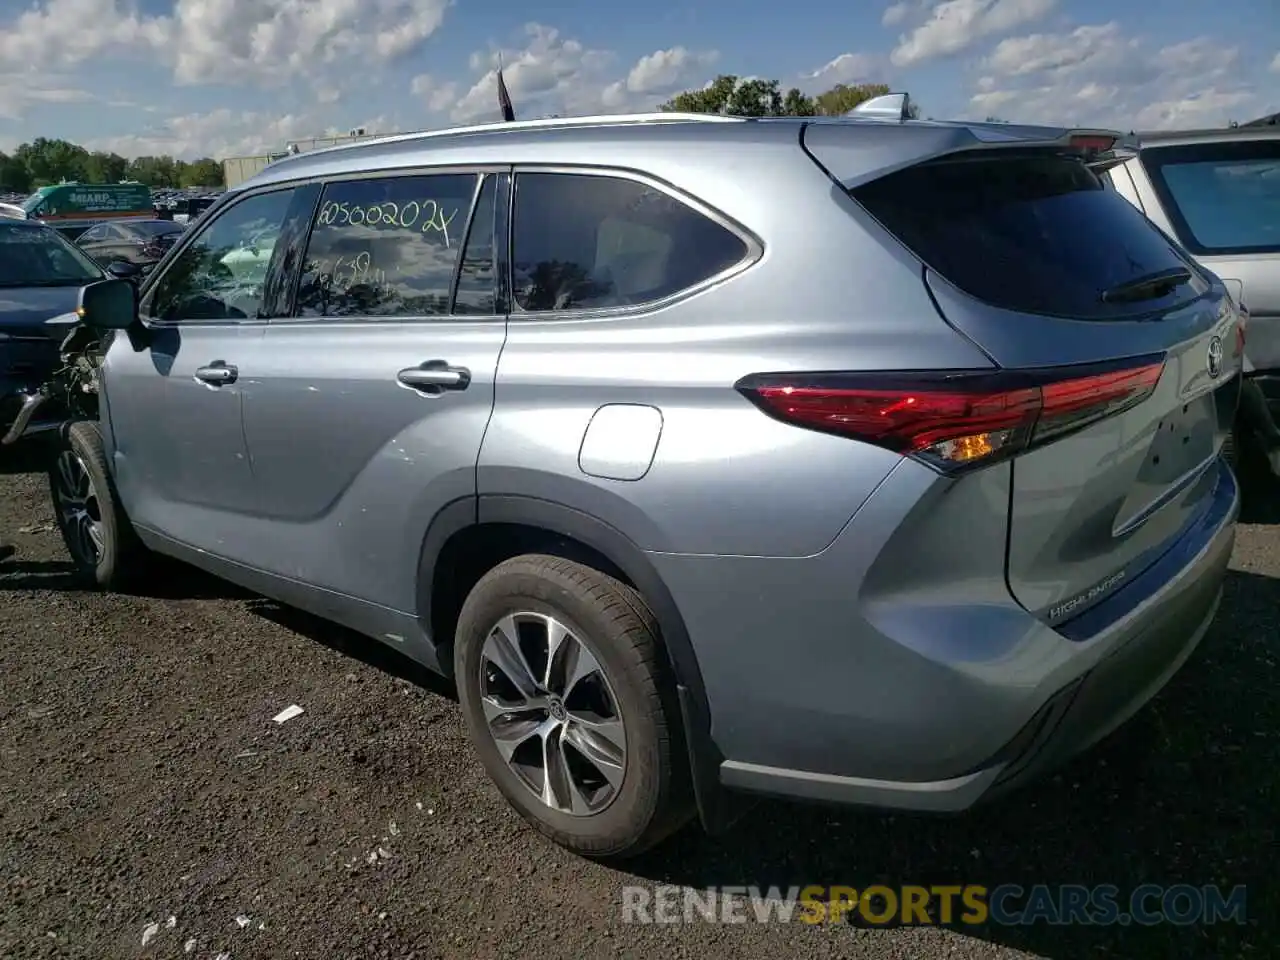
(45, 161)
(735, 97)
(14, 176)
(840, 99)
(205, 172)
(51, 161)
(102, 167)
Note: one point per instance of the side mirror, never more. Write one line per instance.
(124, 270)
(108, 305)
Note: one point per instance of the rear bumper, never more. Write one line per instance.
(945, 722)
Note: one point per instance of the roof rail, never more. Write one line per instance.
(540, 124)
(894, 107)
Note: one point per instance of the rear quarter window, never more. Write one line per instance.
(1222, 198)
(592, 241)
(1034, 233)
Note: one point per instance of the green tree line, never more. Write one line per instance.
(737, 97)
(44, 161)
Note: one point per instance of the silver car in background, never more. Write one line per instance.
(1218, 192)
(861, 460)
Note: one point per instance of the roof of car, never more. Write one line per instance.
(1171, 137)
(20, 223)
(533, 141)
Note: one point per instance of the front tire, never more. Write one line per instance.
(104, 548)
(566, 694)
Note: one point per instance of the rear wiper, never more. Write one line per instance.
(1149, 287)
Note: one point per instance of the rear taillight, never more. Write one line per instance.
(956, 420)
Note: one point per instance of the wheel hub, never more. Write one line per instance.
(552, 713)
(76, 500)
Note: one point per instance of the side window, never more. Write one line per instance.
(116, 232)
(475, 276)
(93, 234)
(584, 241)
(386, 247)
(220, 274)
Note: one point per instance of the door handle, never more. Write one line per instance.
(435, 376)
(217, 373)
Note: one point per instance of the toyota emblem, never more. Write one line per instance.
(1215, 357)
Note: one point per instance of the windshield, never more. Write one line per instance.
(1222, 198)
(39, 257)
(32, 202)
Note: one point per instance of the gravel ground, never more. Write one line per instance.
(145, 795)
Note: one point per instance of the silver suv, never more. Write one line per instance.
(859, 460)
(1218, 193)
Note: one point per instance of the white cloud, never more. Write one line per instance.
(51, 32)
(438, 96)
(895, 13)
(223, 133)
(1087, 47)
(21, 91)
(848, 68)
(1275, 64)
(654, 76)
(955, 25)
(227, 41)
(1096, 74)
(249, 41)
(1206, 108)
(552, 74)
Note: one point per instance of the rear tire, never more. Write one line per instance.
(104, 548)
(593, 762)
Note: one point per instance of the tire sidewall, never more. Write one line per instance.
(86, 445)
(637, 804)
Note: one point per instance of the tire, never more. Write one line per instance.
(104, 548)
(649, 799)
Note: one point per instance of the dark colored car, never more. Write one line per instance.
(140, 242)
(41, 274)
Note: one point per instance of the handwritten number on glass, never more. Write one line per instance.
(427, 216)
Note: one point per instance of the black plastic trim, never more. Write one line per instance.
(452, 518)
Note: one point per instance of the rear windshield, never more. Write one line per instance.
(1222, 198)
(1035, 233)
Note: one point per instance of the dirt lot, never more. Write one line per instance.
(145, 794)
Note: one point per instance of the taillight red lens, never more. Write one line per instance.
(1093, 143)
(953, 420)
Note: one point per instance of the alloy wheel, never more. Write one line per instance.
(552, 713)
(76, 499)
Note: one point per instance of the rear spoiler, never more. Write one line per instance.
(1104, 149)
(853, 149)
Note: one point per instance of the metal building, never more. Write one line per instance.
(236, 170)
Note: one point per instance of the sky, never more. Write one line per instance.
(225, 78)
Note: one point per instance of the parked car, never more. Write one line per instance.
(41, 273)
(896, 483)
(1218, 193)
(140, 242)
